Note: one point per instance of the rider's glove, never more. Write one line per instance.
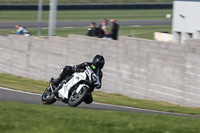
(74, 68)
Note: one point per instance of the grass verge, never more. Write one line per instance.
(83, 1)
(146, 32)
(30, 85)
(87, 15)
(30, 118)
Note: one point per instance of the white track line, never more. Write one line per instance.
(147, 110)
(139, 109)
(20, 91)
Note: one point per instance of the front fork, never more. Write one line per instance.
(51, 87)
(53, 92)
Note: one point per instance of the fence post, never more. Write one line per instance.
(39, 17)
(52, 17)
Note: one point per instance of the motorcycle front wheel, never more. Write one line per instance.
(48, 97)
(76, 98)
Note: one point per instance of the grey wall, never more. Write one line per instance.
(138, 68)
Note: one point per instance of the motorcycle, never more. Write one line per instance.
(74, 89)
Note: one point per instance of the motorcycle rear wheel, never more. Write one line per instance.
(48, 97)
(76, 99)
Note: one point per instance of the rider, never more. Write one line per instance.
(98, 62)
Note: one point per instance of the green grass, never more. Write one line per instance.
(20, 83)
(87, 15)
(30, 85)
(146, 32)
(83, 1)
(30, 118)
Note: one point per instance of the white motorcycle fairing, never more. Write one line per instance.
(64, 91)
(74, 89)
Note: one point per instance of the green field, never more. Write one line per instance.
(30, 118)
(87, 15)
(93, 15)
(36, 86)
(83, 1)
(146, 32)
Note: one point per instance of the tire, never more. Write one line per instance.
(48, 97)
(76, 99)
(88, 99)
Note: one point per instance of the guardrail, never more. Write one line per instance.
(89, 6)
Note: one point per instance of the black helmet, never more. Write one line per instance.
(98, 61)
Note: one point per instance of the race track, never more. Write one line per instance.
(61, 24)
(7, 94)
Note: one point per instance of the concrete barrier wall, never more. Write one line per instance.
(138, 68)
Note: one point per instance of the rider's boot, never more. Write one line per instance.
(67, 70)
(56, 82)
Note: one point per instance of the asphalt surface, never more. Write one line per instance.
(7, 94)
(61, 24)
